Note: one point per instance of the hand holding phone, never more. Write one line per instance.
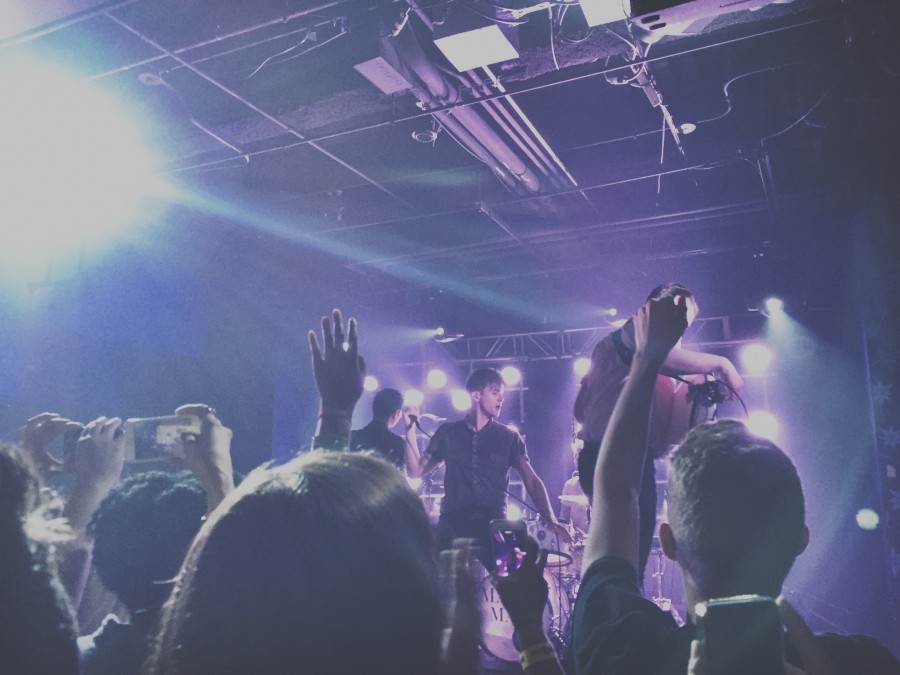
(508, 542)
(741, 635)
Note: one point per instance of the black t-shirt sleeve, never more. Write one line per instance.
(619, 632)
(516, 448)
(436, 449)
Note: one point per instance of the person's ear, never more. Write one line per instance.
(667, 541)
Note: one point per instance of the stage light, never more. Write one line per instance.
(597, 12)
(439, 331)
(370, 383)
(613, 311)
(470, 40)
(756, 357)
(413, 397)
(763, 424)
(513, 512)
(436, 378)
(511, 375)
(461, 399)
(74, 167)
(773, 307)
(867, 519)
(581, 366)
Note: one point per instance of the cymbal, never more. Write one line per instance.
(580, 500)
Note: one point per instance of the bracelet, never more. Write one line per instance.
(536, 654)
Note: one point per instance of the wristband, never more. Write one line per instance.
(331, 442)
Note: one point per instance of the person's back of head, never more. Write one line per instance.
(736, 510)
(37, 628)
(385, 403)
(323, 565)
(141, 532)
(483, 377)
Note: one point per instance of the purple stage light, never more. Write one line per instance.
(511, 375)
(461, 400)
(756, 357)
(436, 378)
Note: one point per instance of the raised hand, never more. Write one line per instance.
(524, 592)
(100, 453)
(208, 454)
(658, 326)
(38, 433)
(339, 372)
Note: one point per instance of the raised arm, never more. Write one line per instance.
(339, 375)
(411, 455)
(208, 455)
(617, 476)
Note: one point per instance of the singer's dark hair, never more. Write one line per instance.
(386, 403)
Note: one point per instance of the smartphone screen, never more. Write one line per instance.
(742, 635)
(154, 438)
(508, 542)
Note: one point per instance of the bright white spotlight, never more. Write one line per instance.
(511, 375)
(763, 424)
(370, 383)
(581, 366)
(756, 357)
(439, 331)
(436, 378)
(74, 167)
(413, 397)
(867, 519)
(774, 306)
(513, 512)
(461, 400)
(613, 311)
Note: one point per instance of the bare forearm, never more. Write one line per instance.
(411, 453)
(617, 475)
(687, 362)
(538, 493)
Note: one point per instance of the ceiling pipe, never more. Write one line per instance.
(404, 51)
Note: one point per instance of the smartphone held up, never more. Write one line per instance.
(508, 542)
(742, 635)
(154, 438)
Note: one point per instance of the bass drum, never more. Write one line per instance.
(497, 629)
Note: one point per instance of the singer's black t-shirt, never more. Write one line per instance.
(477, 467)
(376, 436)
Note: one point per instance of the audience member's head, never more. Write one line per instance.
(37, 631)
(322, 565)
(735, 510)
(141, 532)
(386, 405)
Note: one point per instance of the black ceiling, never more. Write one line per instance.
(268, 119)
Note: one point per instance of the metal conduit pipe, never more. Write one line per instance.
(518, 132)
(407, 52)
(454, 126)
(501, 117)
